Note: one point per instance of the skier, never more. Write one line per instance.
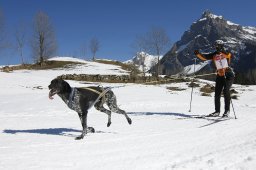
(225, 75)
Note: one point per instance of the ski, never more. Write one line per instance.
(206, 117)
(211, 117)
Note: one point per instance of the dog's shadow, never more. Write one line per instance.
(52, 131)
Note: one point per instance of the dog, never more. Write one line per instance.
(81, 99)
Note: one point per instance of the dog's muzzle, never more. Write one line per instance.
(52, 93)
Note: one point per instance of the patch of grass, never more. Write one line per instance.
(233, 91)
(234, 97)
(207, 89)
(206, 94)
(193, 84)
(175, 88)
(124, 66)
(53, 65)
(46, 65)
(233, 94)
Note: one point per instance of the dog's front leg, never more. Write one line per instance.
(84, 125)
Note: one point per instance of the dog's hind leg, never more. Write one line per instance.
(100, 107)
(83, 119)
(116, 109)
(80, 117)
(112, 104)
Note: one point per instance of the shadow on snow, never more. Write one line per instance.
(51, 131)
(161, 113)
(181, 116)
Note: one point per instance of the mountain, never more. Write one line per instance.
(145, 59)
(239, 40)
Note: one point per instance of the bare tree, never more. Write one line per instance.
(94, 47)
(155, 42)
(20, 36)
(2, 32)
(140, 47)
(44, 44)
(143, 56)
(83, 50)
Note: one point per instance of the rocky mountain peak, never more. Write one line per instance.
(209, 15)
(206, 14)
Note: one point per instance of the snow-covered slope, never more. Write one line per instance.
(194, 68)
(38, 133)
(89, 67)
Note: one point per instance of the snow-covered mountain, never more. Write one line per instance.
(143, 60)
(38, 133)
(239, 40)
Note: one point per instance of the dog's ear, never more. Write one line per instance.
(65, 86)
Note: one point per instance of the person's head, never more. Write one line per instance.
(219, 45)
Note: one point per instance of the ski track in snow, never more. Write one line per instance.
(38, 133)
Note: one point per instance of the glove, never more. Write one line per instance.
(196, 52)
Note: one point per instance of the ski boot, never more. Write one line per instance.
(214, 114)
(226, 113)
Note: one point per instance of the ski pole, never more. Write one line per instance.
(191, 96)
(231, 101)
(233, 108)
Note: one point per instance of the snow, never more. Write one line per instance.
(58, 58)
(231, 40)
(250, 30)
(215, 16)
(38, 133)
(250, 33)
(248, 37)
(89, 67)
(209, 15)
(149, 61)
(202, 19)
(194, 68)
(231, 23)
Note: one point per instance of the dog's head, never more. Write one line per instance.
(58, 86)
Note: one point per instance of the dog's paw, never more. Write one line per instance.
(90, 130)
(79, 137)
(129, 121)
(109, 123)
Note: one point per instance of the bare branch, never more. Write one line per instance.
(154, 42)
(94, 46)
(44, 44)
(20, 36)
(3, 43)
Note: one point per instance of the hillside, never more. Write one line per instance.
(69, 65)
(38, 133)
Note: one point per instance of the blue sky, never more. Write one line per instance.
(115, 23)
